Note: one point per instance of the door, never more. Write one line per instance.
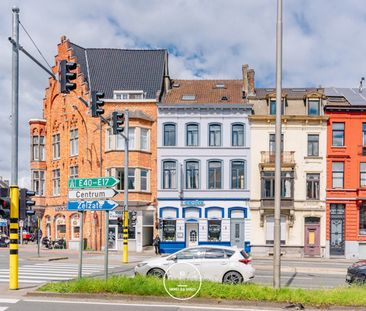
(237, 237)
(336, 229)
(312, 236)
(112, 237)
(191, 234)
(214, 264)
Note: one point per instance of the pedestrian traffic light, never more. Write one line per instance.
(133, 218)
(97, 103)
(25, 202)
(4, 207)
(66, 76)
(118, 120)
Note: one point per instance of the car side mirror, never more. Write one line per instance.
(174, 258)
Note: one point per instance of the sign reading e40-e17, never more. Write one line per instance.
(98, 182)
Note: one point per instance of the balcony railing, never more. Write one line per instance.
(287, 157)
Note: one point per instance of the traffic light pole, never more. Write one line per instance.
(125, 206)
(14, 189)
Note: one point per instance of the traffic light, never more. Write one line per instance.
(4, 207)
(133, 218)
(118, 120)
(66, 76)
(25, 203)
(97, 103)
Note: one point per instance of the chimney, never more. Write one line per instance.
(166, 73)
(244, 69)
(251, 81)
(360, 88)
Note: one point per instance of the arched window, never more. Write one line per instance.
(214, 174)
(75, 227)
(237, 134)
(192, 174)
(214, 134)
(169, 134)
(169, 175)
(192, 134)
(237, 174)
(60, 227)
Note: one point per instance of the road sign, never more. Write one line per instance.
(98, 182)
(91, 194)
(104, 205)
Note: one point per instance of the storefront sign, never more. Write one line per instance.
(192, 203)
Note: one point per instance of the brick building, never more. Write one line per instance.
(346, 177)
(68, 143)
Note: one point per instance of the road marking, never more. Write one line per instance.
(3, 308)
(5, 300)
(285, 277)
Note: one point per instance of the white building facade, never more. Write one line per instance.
(203, 175)
(303, 182)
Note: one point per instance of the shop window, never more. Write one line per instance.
(169, 230)
(60, 227)
(362, 215)
(214, 230)
(75, 227)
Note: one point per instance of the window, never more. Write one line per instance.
(38, 148)
(144, 139)
(237, 175)
(120, 141)
(215, 253)
(214, 230)
(214, 174)
(144, 179)
(56, 146)
(237, 135)
(169, 175)
(126, 95)
(192, 175)
(338, 134)
(272, 107)
(363, 134)
(270, 230)
(312, 186)
(313, 145)
(362, 220)
(74, 171)
(337, 174)
(215, 134)
(272, 143)
(268, 185)
(363, 174)
(314, 107)
(192, 134)
(121, 177)
(75, 227)
(169, 134)
(189, 254)
(188, 97)
(169, 229)
(74, 137)
(38, 182)
(110, 139)
(56, 182)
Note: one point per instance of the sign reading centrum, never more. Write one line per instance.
(91, 194)
(99, 182)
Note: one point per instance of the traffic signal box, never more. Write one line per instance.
(25, 203)
(118, 121)
(66, 76)
(97, 104)
(4, 203)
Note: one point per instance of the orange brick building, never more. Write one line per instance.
(68, 143)
(346, 173)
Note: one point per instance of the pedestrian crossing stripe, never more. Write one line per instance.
(7, 301)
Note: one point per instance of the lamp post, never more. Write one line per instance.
(277, 201)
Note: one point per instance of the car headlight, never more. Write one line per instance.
(141, 264)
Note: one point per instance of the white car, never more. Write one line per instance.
(215, 263)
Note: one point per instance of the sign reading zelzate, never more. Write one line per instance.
(105, 205)
(98, 182)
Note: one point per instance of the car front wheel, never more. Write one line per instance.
(156, 272)
(232, 277)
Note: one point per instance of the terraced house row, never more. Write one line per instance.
(201, 161)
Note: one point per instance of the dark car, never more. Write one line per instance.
(357, 273)
(4, 241)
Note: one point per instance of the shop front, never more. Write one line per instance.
(199, 222)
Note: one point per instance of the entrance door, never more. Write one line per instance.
(337, 229)
(191, 234)
(312, 236)
(112, 237)
(237, 232)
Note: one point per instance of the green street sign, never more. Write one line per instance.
(98, 182)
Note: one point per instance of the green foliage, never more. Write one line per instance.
(148, 286)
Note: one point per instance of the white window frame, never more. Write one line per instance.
(147, 131)
(56, 151)
(133, 95)
(38, 183)
(56, 182)
(74, 142)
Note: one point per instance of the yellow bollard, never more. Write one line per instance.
(14, 236)
(125, 236)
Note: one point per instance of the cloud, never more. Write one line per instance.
(323, 44)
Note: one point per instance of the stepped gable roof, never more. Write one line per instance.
(122, 70)
(205, 92)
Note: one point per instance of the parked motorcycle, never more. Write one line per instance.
(59, 244)
(47, 243)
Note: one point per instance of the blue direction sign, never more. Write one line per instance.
(105, 205)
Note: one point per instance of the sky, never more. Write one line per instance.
(323, 45)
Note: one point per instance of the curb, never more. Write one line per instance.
(304, 270)
(46, 258)
(170, 301)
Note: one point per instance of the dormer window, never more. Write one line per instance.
(129, 95)
(272, 107)
(220, 86)
(225, 98)
(189, 97)
(314, 107)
